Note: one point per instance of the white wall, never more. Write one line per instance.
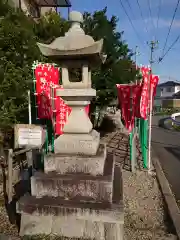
(177, 89)
(167, 91)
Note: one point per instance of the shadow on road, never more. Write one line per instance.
(162, 143)
(175, 151)
(164, 124)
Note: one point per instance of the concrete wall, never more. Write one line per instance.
(171, 103)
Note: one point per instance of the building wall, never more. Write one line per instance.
(157, 102)
(30, 8)
(167, 91)
(44, 10)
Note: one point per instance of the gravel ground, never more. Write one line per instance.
(6, 227)
(144, 208)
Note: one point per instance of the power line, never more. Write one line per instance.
(129, 5)
(131, 22)
(150, 12)
(142, 15)
(159, 10)
(131, 10)
(176, 8)
(161, 58)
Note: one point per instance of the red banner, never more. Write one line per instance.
(129, 98)
(134, 98)
(62, 113)
(154, 83)
(144, 98)
(47, 78)
(145, 70)
(145, 95)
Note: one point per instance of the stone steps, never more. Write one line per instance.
(76, 186)
(93, 220)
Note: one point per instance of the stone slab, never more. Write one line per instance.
(79, 228)
(70, 228)
(86, 94)
(33, 225)
(68, 164)
(81, 187)
(82, 144)
(48, 206)
(106, 212)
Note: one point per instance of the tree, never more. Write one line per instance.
(18, 50)
(118, 67)
(50, 26)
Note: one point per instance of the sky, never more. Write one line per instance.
(147, 29)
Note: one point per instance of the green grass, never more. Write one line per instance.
(175, 127)
(163, 113)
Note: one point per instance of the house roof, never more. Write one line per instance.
(169, 84)
(53, 3)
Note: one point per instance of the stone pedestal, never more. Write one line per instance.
(75, 206)
(79, 194)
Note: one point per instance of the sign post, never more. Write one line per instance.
(29, 135)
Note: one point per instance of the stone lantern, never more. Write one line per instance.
(79, 194)
(79, 53)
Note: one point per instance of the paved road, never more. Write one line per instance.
(166, 144)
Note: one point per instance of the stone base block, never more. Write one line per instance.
(76, 186)
(70, 164)
(70, 228)
(83, 144)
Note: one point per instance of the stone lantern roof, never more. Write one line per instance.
(75, 44)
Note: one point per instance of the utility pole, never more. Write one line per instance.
(153, 46)
(136, 54)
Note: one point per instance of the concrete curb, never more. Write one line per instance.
(169, 198)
